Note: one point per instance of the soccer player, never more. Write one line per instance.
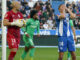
(65, 36)
(13, 29)
(31, 25)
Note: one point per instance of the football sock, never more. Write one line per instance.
(32, 50)
(69, 55)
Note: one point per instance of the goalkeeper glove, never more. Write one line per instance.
(17, 23)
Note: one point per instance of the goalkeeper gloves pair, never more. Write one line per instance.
(18, 23)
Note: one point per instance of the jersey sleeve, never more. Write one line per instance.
(7, 16)
(38, 28)
(71, 23)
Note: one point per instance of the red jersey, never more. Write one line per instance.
(11, 16)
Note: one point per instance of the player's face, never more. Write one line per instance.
(18, 6)
(35, 16)
(62, 8)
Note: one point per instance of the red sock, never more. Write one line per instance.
(12, 55)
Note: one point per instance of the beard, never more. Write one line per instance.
(36, 18)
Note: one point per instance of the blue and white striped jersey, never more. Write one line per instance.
(63, 26)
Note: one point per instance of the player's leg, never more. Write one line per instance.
(61, 55)
(62, 46)
(73, 55)
(12, 45)
(32, 48)
(71, 47)
(12, 53)
(24, 53)
(32, 51)
(25, 39)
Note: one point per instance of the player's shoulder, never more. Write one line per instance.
(8, 14)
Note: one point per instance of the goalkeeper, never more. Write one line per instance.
(72, 27)
(31, 25)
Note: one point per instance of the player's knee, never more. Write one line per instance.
(32, 47)
(60, 56)
(73, 55)
(27, 49)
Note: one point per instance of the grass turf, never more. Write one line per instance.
(42, 54)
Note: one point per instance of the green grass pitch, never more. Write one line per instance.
(43, 54)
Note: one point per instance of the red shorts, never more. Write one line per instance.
(13, 41)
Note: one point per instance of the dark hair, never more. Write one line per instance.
(60, 6)
(32, 13)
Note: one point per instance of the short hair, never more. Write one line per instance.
(60, 6)
(32, 13)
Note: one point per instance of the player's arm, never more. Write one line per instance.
(15, 23)
(72, 27)
(6, 19)
(74, 34)
(27, 24)
(38, 28)
(6, 22)
(72, 15)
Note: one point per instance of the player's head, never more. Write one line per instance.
(61, 7)
(33, 14)
(16, 5)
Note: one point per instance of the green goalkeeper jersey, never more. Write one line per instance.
(31, 25)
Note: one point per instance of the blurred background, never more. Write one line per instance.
(47, 9)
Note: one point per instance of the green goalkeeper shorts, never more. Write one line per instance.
(28, 40)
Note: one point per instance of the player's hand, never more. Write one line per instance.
(62, 16)
(27, 35)
(67, 9)
(38, 35)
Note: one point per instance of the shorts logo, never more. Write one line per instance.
(61, 43)
(61, 48)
